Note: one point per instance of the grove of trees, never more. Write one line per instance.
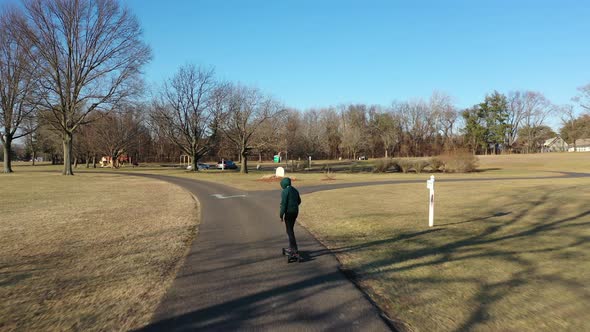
(71, 90)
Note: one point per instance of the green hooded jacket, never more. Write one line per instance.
(290, 198)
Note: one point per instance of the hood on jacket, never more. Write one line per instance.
(285, 182)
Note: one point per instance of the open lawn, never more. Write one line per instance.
(89, 252)
(79, 252)
(503, 255)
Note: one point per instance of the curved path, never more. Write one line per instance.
(234, 277)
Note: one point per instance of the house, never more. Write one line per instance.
(555, 144)
(107, 161)
(582, 145)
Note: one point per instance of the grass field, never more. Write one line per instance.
(90, 252)
(510, 255)
(504, 255)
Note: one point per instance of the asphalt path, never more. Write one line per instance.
(235, 278)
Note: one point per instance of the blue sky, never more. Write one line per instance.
(322, 53)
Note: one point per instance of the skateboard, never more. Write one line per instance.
(292, 256)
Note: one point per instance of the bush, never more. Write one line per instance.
(353, 167)
(419, 165)
(384, 165)
(460, 161)
(405, 164)
(436, 164)
(328, 174)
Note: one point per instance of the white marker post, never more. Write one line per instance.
(430, 185)
(222, 164)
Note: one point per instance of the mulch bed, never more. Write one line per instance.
(274, 178)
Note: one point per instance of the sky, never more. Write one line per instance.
(321, 53)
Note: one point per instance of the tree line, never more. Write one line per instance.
(71, 87)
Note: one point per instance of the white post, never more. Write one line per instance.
(222, 164)
(430, 185)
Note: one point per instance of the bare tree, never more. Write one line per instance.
(312, 133)
(570, 130)
(516, 114)
(187, 112)
(331, 136)
(267, 138)
(537, 109)
(87, 142)
(17, 84)
(89, 54)
(389, 130)
(419, 126)
(446, 115)
(354, 125)
(116, 132)
(246, 109)
(583, 98)
(290, 134)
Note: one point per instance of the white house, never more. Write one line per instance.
(555, 144)
(582, 145)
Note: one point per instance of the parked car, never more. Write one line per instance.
(202, 166)
(228, 165)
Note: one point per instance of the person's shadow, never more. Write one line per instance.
(305, 256)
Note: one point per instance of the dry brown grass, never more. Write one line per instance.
(89, 252)
(510, 255)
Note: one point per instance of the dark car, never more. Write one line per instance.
(227, 164)
(202, 166)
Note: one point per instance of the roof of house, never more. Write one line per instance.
(553, 140)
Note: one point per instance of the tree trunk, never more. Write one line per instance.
(385, 153)
(34, 156)
(194, 163)
(93, 161)
(87, 160)
(67, 143)
(8, 154)
(75, 162)
(244, 157)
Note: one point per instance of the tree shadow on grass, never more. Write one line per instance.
(519, 241)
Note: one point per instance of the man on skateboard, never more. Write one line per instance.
(290, 201)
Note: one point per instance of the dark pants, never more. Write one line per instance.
(290, 219)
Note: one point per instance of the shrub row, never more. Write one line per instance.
(450, 162)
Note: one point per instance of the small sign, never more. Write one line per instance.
(280, 173)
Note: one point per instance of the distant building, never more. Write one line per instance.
(555, 144)
(582, 145)
(107, 161)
